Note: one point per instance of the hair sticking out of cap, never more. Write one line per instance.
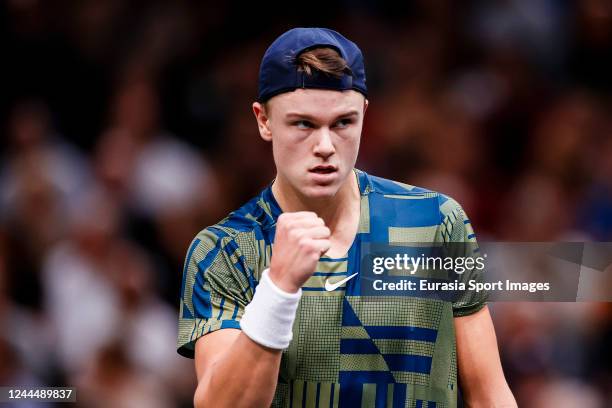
(326, 60)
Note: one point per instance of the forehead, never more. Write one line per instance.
(317, 102)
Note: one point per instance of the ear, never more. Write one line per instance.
(263, 121)
(366, 103)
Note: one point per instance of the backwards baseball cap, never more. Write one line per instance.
(279, 72)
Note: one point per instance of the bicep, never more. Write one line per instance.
(211, 347)
(215, 291)
(477, 352)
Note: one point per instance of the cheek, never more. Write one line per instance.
(349, 147)
(288, 152)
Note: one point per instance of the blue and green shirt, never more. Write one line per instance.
(347, 350)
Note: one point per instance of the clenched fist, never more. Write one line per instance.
(301, 238)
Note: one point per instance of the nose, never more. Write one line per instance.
(324, 147)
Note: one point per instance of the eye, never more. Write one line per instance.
(302, 124)
(343, 123)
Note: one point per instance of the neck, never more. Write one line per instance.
(330, 209)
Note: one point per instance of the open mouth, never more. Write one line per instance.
(323, 169)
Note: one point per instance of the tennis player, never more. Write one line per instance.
(271, 306)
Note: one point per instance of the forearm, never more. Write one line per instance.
(480, 372)
(246, 373)
(245, 376)
(482, 380)
(489, 395)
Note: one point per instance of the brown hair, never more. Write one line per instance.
(326, 60)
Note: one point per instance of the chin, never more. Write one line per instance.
(321, 191)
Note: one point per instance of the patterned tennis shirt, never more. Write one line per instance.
(347, 350)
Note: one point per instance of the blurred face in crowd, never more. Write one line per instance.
(315, 137)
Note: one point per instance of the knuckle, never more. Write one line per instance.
(303, 243)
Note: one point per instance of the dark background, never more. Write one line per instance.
(127, 128)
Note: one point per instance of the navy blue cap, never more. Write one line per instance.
(278, 72)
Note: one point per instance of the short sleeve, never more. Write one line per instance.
(460, 239)
(216, 287)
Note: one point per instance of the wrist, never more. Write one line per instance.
(283, 284)
(268, 318)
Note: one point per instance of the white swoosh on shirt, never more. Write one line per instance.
(333, 286)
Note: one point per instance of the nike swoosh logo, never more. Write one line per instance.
(333, 286)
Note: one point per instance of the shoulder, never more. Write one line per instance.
(238, 231)
(399, 195)
(381, 185)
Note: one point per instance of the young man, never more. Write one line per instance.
(271, 306)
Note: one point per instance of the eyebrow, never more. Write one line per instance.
(291, 115)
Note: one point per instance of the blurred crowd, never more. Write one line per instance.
(127, 128)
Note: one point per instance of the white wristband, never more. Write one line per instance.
(268, 319)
